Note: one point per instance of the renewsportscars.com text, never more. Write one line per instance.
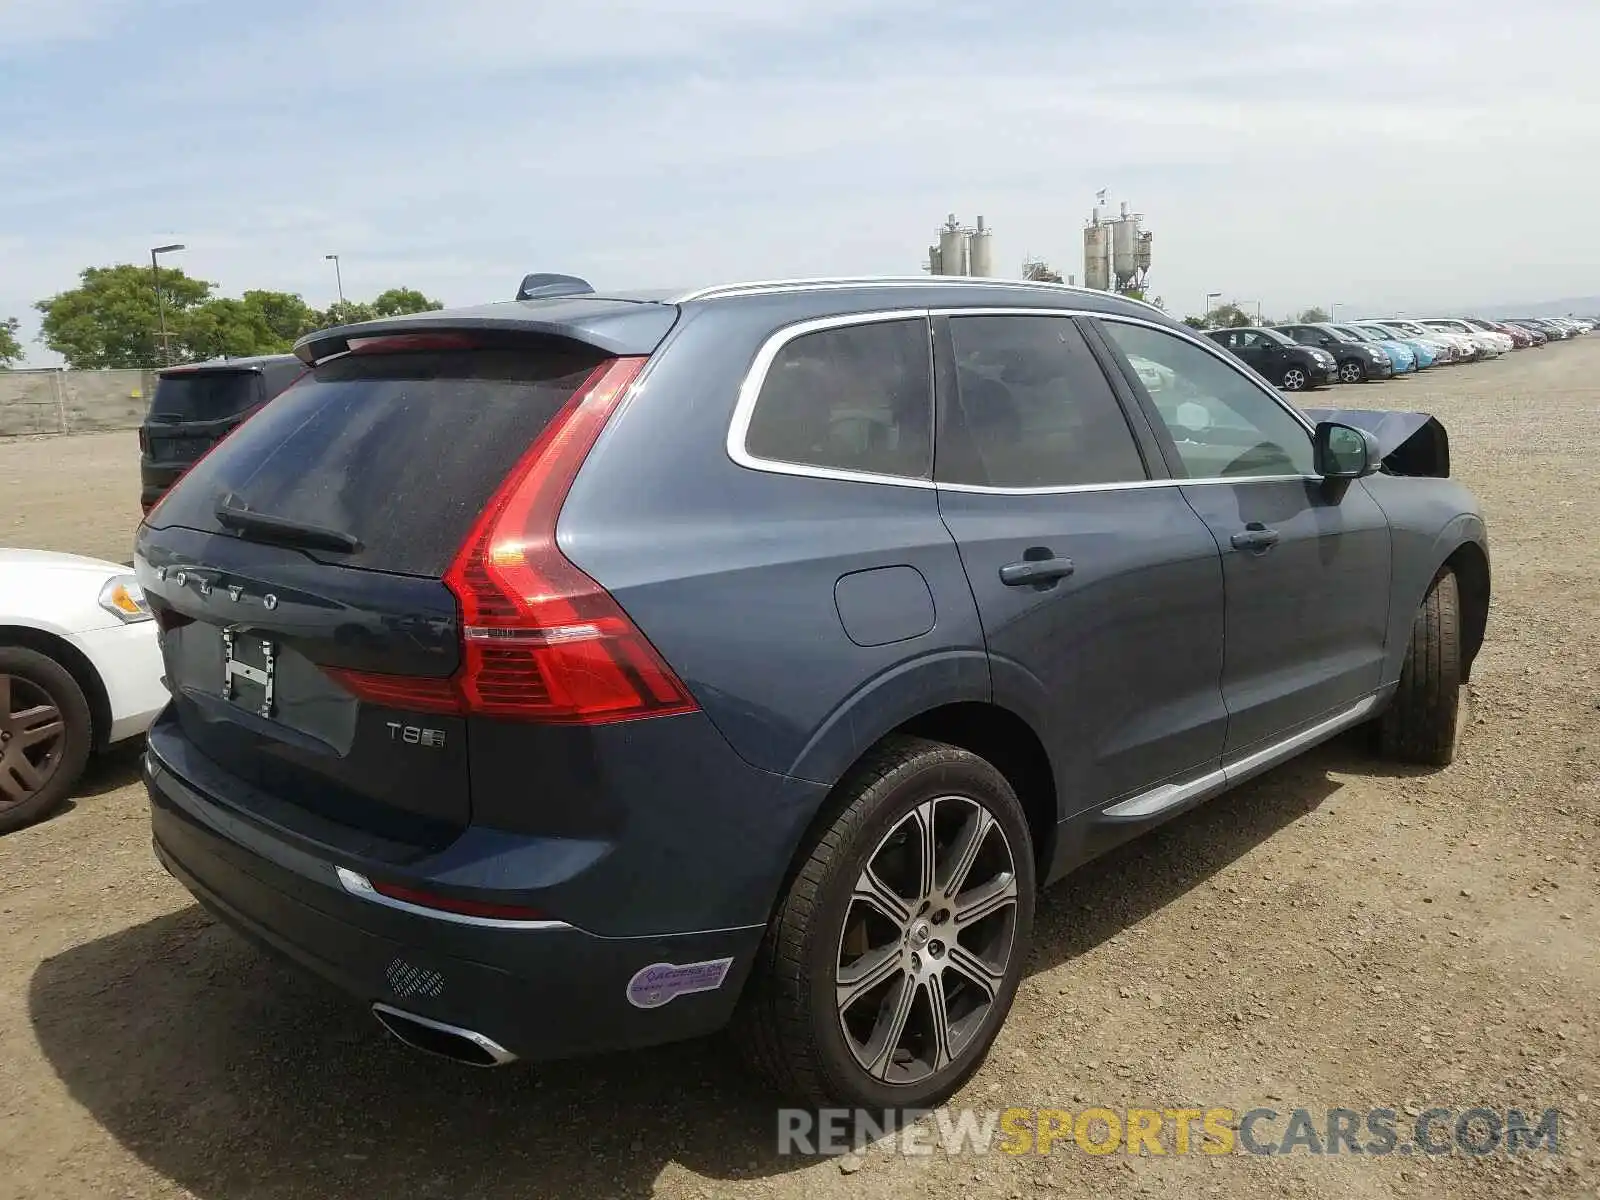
(1179, 1130)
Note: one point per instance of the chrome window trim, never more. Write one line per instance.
(847, 282)
(756, 377)
(359, 885)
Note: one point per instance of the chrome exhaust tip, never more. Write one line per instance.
(447, 1041)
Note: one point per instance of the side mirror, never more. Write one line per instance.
(1344, 452)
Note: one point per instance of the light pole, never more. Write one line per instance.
(338, 276)
(161, 304)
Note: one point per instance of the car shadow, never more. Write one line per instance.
(113, 768)
(228, 1073)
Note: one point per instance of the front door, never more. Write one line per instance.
(1100, 595)
(1305, 561)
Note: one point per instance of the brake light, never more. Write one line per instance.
(402, 342)
(541, 641)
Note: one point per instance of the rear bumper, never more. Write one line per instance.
(540, 989)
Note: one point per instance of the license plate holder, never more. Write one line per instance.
(249, 672)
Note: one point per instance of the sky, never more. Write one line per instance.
(1383, 154)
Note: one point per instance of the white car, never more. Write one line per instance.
(1466, 349)
(1494, 344)
(80, 669)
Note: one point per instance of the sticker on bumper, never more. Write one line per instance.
(653, 986)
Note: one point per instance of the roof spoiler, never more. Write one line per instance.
(542, 285)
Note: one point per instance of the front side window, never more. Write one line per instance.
(1223, 424)
(855, 398)
(1035, 408)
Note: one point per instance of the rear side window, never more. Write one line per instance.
(1036, 408)
(401, 451)
(204, 395)
(855, 398)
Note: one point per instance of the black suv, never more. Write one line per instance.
(1282, 360)
(195, 406)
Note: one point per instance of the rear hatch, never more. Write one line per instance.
(193, 407)
(316, 540)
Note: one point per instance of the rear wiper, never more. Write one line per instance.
(261, 527)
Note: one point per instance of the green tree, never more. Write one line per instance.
(10, 348)
(284, 313)
(399, 301)
(226, 328)
(1223, 316)
(1311, 315)
(110, 319)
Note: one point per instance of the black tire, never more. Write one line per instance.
(36, 775)
(1352, 370)
(790, 1024)
(1423, 722)
(1295, 378)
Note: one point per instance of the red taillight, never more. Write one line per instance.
(541, 641)
(403, 342)
(452, 904)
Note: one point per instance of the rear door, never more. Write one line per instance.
(1100, 595)
(1305, 563)
(360, 486)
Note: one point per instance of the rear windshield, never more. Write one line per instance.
(204, 395)
(401, 452)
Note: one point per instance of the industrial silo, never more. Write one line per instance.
(980, 251)
(1125, 247)
(1097, 257)
(952, 248)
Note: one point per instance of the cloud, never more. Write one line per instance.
(1397, 152)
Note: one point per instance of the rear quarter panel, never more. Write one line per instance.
(732, 572)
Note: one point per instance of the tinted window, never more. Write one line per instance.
(204, 395)
(1035, 407)
(1306, 336)
(1223, 424)
(856, 398)
(400, 451)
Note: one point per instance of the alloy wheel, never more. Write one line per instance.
(927, 940)
(32, 739)
(1350, 372)
(1294, 379)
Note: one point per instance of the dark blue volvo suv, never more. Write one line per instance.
(591, 671)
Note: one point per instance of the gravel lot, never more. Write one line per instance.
(1337, 933)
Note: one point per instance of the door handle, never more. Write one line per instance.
(1035, 570)
(1256, 536)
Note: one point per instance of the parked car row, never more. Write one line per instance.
(1319, 353)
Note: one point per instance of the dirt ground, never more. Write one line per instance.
(1339, 933)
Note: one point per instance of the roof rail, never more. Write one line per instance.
(825, 283)
(544, 284)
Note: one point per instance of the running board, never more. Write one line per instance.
(1170, 798)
